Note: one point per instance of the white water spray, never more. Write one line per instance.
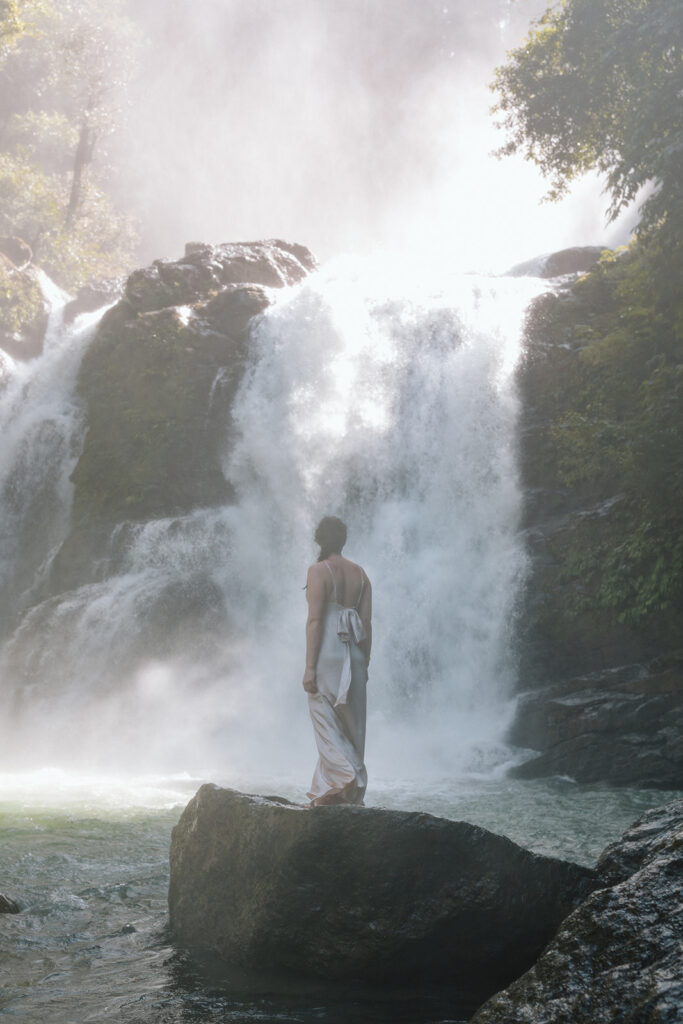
(41, 425)
(399, 415)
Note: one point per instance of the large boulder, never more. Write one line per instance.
(207, 268)
(617, 958)
(150, 379)
(622, 725)
(16, 250)
(93, 295)
(576, 260)
(8, 905)
(157, 382)
(350, 892)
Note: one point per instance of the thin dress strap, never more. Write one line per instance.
(362, 588)
(334, 582)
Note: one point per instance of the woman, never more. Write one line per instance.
(338, 642)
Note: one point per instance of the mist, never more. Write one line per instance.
(350, 126)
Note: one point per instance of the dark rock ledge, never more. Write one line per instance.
(622, 725)
(157, 384)
(579, 259)
(8, 905)
(617, 959)
(347, 892)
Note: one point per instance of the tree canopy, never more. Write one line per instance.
(598, 85)
(63, 71)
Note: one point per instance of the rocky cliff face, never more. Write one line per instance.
(601, 467)
(348, 892)
(157, 382)
(618, 956)
(155, 385)
(623, 726)
(580, 388)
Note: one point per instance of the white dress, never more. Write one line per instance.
(338, 708)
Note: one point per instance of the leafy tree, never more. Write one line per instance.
(598, 85)
(10, 24)
(63, 71)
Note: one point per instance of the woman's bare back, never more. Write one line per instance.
(348, 579)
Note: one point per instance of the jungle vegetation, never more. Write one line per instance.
(64, 65)
(597, 85)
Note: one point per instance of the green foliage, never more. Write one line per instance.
(605, 370)
(10, 25)
(32, 206)
(634, 569)
(63, 70)
(598, 85)
(21, 300)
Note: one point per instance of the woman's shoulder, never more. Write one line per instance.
(356, 567)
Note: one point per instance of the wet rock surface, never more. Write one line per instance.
(157, 381)
(16, 250)
(8, 905)
(348, 892)
(617, 958)
(575, 260)
(623, 726)
(596, 636)
(206, 268)
(564, 631)
(92, 296)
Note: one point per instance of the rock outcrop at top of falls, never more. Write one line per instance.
(576, 260)
(352, 892)
(148, 374)
(157, 381)
(617, 957)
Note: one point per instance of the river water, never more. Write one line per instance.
(373, 392)
(88, 859)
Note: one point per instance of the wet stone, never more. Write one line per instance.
(8, 905)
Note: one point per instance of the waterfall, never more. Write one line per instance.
(399, 414)
(41, 425)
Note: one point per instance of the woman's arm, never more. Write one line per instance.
(365, 612)
(315, 595)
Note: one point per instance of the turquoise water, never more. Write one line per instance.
(88, 860)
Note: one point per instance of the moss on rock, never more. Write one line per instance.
(601, 383)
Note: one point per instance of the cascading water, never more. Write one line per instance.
(41, 425)
(399, 415)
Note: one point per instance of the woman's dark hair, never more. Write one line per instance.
(330, 534)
